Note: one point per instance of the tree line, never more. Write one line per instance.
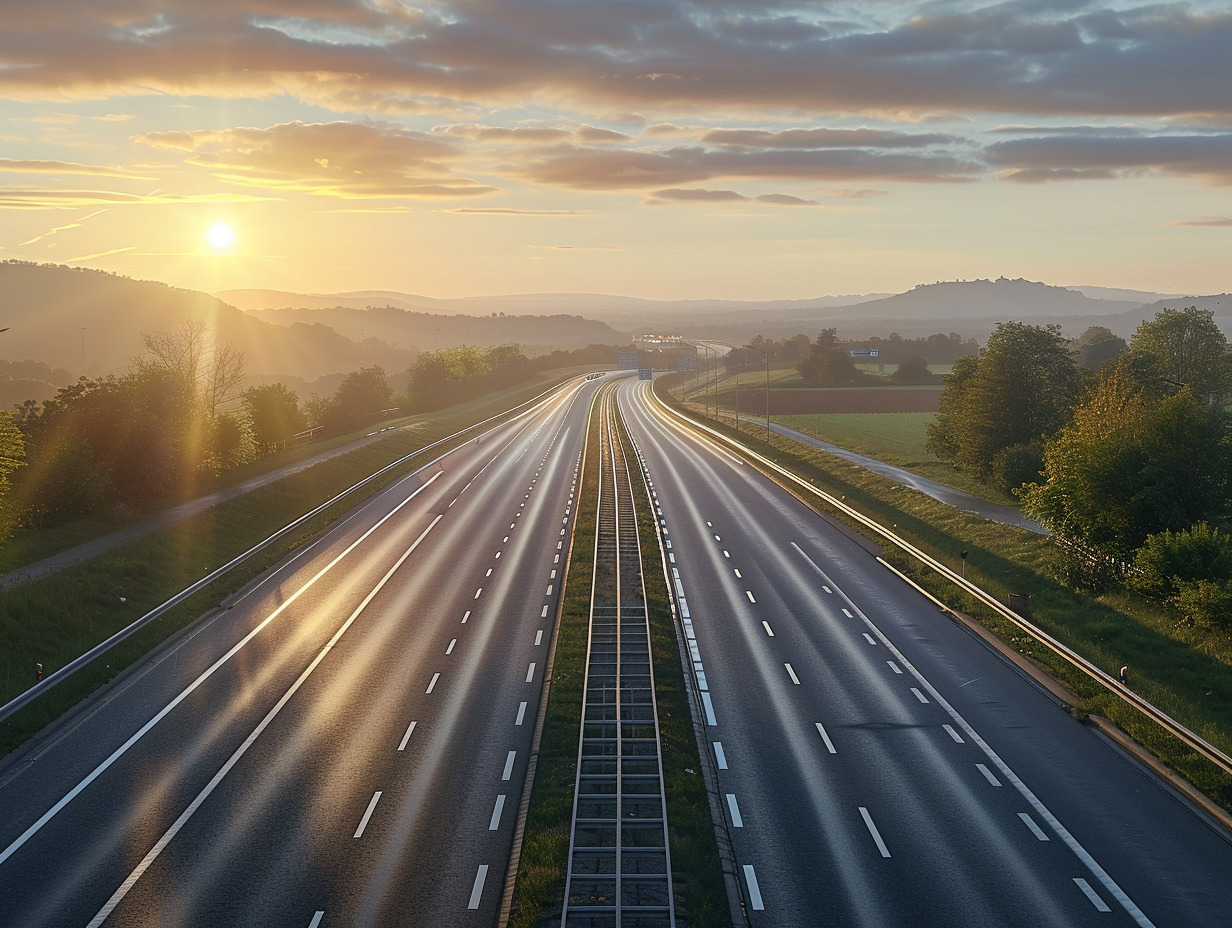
(114, 446)
(1122, 450)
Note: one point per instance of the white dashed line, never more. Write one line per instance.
(754, 892)
(508, 771)
(1030, 823)
(872, 829)
(538, 637)
(749, 594)
(466, 616)
(791, 673)
(894, 667)
(719, 755)
(737, 821)
(530, 672)
(496, 813)
(848, 614)
(478, 591)
(544, 613)
(736, 571)
(316, 919)
(407, 736)
(1099, 903)
(432, 685)
(918, 695)
(452, 642)
(708, 705)
(988, 775)
(521, 713)
(826, 738)
(766, 626)
(363, 822)
(870, 639)
(477, 890)
(953, 734)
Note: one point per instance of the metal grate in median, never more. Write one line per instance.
(619, 865)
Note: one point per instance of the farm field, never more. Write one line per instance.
(897, 437)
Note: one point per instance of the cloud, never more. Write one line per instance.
(701, 195)
(1207, 158)
(64, 228)
(822, 138)
(338, 159)
(65, 167)
(651, 57)
(471, 211)
(47, 198)
(601, 169)
(1220, 221)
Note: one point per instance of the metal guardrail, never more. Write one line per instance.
(1149, 709)
(128, 631)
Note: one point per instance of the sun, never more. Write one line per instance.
(220, 236)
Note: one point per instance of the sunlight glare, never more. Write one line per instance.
(220, 236)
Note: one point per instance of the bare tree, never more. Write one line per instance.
(214, 371)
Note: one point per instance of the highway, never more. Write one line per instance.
(876, 764)
(345, 745)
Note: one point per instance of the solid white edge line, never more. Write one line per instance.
(187, 691)
(171, 832)
(872, 830)
(481, 876)
(755, 900)
(407, 737)
(363, 822)
(826, 738)
(1061, 831)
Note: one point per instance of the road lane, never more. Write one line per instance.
(335, 803)
(858, 805)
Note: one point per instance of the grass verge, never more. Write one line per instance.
(53, 620)
(1182, 670)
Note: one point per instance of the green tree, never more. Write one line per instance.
(1182, 347)
(1020, 388)
(12, 457)
(828, 364)
(1097, 346)
(1127, 468)
(273, 409)
(913, 370)
(361, 395)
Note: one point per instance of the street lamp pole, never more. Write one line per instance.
(766, 355)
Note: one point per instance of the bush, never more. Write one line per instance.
(1205, 602)
(1018, 464)
(1168, 561)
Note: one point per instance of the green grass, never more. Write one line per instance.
(1185, 671)
(897, 437)
(57, 618)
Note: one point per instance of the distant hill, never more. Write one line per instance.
(90, 322)
(428, 332)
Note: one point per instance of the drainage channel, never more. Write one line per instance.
(619, 872)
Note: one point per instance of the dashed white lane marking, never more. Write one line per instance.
(1030, 823)
(725, 554)
(530, 672)
(316, 919)
(894, 667)
(477, 889)
(826, 738)
(508, 771)
(791, 673)
(452, 642)
(953, 734)
(749, 594)
(736, 571)
(823, 586)
(708, 705)
(466, 616)
(754, 892)
(521, 713)
(719, 755)
(918, 695)
(552, 575)
(407, 736)
(538, 637)
(988, 775)
(506, 538)
(848, 614)
(737, 821)
(549, 592)
(478, 591)
(870, 639)
(872, 830)
(544, 613)
(498, 555)
(717, 538)
(432, 685)
(363, 822)
(1091, 894)
(496, 813)
(766, 626)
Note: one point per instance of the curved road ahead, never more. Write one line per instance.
(878, 765)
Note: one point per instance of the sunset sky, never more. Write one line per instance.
(760, 149)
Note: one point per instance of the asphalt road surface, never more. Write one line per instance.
(346, 745)
(877, 764)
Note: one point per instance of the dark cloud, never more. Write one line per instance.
(1084, 157)
(822, 138)
(701, 195)
(1022, 57)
